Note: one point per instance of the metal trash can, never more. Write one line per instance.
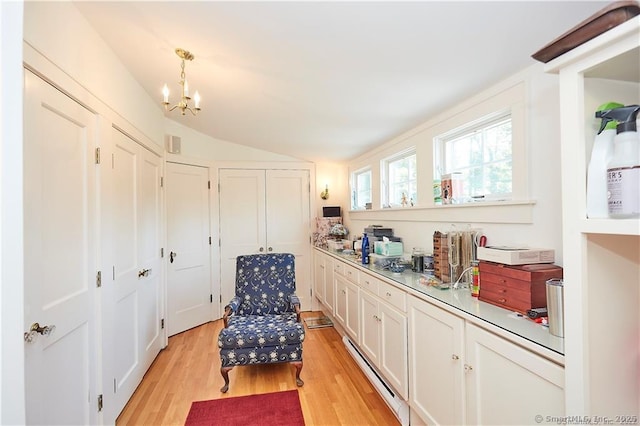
(555, 306)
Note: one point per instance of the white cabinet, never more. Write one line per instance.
(463, 374)
(507, 384)
(383, 336)
(435, 369)
(601, 256)
(319, 274)
(346, 310)
(323, 282)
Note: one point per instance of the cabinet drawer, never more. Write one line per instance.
(338, 267)
(507, 298)
(392, 295)
(369, 283)
(351, 273)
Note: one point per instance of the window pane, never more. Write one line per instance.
(402, 179)
(362, 189)
(483, 155)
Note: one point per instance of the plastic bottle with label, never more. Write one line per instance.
(601, 155)
(623, 171)
(365, 249)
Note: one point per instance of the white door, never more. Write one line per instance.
(263, 211)
(242, 225)
(60, 256)
(289, 223)
(393, 348)
(188, 247)
(370, 332)
(131, 310)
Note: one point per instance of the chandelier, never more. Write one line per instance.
(183, 105)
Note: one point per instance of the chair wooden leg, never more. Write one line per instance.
(298, 365)
(225, 375)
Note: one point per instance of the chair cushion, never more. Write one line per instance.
(266, 355)
(264, 283)
(252, 331)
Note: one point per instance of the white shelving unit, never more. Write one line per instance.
(601, 256)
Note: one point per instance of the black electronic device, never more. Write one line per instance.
(537, 313)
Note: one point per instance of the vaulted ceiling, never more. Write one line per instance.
(326, 81)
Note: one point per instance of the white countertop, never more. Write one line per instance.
(511, 325)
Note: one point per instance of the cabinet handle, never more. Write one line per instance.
(467, 368)
(261, 249)
(455, 357)
(344, 292)
(270, 249)
(388, 294)
(502, 300)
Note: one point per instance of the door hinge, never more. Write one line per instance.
(211, 298)
(209, 240)
(218, 187)
(99, 279)
(161, 181)
(99, 402)
(220, 298)
(98, 155)
(208, 184)
(162, 252)
(162, 323)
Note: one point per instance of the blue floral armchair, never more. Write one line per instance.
(262, 321)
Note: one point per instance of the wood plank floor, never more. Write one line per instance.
(336, 392)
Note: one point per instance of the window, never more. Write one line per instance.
(361, 187)
(401, 180)
(481, 153)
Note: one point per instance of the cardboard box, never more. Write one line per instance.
(515, 255)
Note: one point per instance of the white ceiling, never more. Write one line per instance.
(326, 81)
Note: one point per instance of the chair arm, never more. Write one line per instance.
(230, 309)
(295, 304)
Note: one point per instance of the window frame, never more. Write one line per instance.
(385, 185)
(481, 124)
(355, 190)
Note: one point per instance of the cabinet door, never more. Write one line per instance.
(340, 309)
(320, 270)
(393, 348)
(329, 290)
(435, 358)
(352, 321)
(507, 384)
(370, 327)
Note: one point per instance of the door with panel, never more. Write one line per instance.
(491, 398)
(263, 211)
(189, 292)
(60, 240)
(436, 354)
(132, 291)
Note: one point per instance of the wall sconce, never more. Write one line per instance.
(325, 194)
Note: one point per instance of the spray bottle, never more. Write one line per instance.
(601, 154)
(623, 171)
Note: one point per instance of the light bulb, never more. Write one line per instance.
(165, 94)
(196, 98)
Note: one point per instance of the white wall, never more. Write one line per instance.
(60, 32)
(542, 224)
(197, 145)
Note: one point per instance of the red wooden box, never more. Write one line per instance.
(516, 287)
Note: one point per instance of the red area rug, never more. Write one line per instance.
(277, 408)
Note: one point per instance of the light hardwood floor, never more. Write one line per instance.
(335, 390)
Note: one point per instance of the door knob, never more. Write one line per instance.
(270, 249)
(37, 329)
(261, 249)
(172, 255)
(144, 273)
